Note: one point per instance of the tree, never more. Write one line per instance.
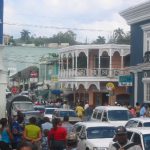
(25, 36)
(100, 40)
(119, 37)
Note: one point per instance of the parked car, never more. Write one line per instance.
(116, 115)
(95, 136)
(138, 122)
(140, 136)
(49, 112)
(60, 113)
(40, 108)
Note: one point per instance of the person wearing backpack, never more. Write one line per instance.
(122, 142)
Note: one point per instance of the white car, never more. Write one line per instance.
(140, 136)
(49, 112)
(95, 136)
(138, 122)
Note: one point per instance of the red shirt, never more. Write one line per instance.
(59, 134)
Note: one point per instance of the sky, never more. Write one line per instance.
(48, 17)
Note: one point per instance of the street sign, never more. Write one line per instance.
(126, 80)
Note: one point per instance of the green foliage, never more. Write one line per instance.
(100, 40)
(25, 36)
(120, 37)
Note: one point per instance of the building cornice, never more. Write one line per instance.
(92, 46)
(137, 13)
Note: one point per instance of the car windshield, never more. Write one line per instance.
(118, 115)
(68, 113)
(146, 124)
(100, 132)
(23, 106)
(49, 111)
(146, 140)
(39, 108)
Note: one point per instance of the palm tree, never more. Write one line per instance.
(25, 35)
(118, 34)
(100, 40)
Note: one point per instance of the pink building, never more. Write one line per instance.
(87, 70)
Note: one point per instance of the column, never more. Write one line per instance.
(99, 63)
(110, 62)
(87, 56)
(122, 60)
(135, 88)
(67, 66)
(76, 63)
(59, 71)
(72, 64)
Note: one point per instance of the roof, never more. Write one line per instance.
(137, 13)
(111, 107)
(142, 119)
(62, 109)
(96, 124)
(140, 130)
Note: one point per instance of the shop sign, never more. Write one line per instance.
(126, 80)
(110, 86)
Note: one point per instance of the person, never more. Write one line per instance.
(122, 142)
(65, 105)
(87, 113)
(32, 133)
(143, 110)
(44, 143)
(69, 127)
(5, 135)
(57, 136)
(17, 131)
(46, 125)
(137, 108)
(25, 146)
(79, 111)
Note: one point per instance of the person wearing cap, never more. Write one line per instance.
(122, 142)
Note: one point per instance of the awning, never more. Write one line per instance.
(56, 92)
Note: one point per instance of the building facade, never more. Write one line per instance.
(91, 72)
(138, 18)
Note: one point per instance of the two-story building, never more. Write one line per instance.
(138, 17)
(91, 72)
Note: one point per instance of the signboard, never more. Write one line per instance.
(126, 80)
(110, 86)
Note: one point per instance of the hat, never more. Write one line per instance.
(121, 130)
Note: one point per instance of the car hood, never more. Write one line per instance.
(118, 123)
(100, 142)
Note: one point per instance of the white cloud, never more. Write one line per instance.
(92, 14)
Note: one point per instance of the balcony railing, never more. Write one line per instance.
(83, 72)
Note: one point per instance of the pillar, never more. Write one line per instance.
(135, 87)
(110, 62)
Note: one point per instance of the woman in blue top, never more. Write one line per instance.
(5, 135)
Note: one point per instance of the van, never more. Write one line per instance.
(116, 115)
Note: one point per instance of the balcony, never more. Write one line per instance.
(96, 73)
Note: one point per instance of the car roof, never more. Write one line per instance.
(50, 108)
(140, 130)
(62, 109)
(95, 124)
(110, 108)
(141, 119)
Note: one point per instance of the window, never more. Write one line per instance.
(99, 115)
(94, 114)
(136, 139)
(129, 134)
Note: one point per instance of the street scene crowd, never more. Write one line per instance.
(54, 134)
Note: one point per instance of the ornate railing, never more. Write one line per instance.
(96, 72)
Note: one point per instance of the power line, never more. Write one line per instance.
(55, 27)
